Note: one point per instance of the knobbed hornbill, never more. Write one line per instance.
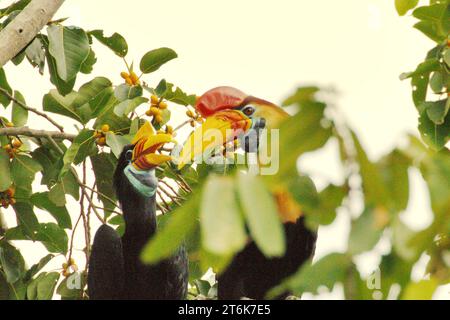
(250, 274)
(115, 269)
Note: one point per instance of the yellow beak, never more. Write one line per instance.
(146, 143)
(218, 129)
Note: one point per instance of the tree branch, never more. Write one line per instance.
(40, 113)
(35, 133)
(25, 27)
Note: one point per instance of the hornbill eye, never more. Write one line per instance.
(129, 155)
(248, 110)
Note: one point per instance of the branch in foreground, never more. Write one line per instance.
(23, 28)
(35, 133)
(36, 111)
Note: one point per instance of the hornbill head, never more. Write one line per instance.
(137, 162)
(230, 114)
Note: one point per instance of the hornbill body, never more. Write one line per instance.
(115, 269)
(250, 274)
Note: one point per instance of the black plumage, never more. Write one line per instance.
(115, 270)
(252, 275)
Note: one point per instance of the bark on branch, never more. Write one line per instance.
(28, 132)
(25, 27)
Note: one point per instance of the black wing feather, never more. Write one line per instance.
(106, 270)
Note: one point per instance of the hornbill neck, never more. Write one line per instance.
(139, 213)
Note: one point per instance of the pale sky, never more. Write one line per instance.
(267, 48)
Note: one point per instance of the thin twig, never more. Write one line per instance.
(80, 183)
(166, 205)
(36, 111)
(72, 237)
(102, 195)
(36, 133)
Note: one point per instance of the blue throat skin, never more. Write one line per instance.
(133, 176)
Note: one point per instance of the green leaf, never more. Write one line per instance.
(261, 215)
(70, 288)
(69, 46)
(296, 140)
(36, 54)
(324, 213)
(435, 136)
(19, 115)
(394, 172)
(82, 147)
(116, 42)
(4, 100)
(92, 97)
(166, 90)
(325, 272)
(365, 233)
(32, 286)
(154, 59)
(403, 6)
(222, 227)
(53, 237)
(5, 177)
(116, 143)
(125, 92)
(372, 183)
(302, 95)
(61, 215)
(304, 191)
(88, 64)
(46, 286)
(26, 219)
(107, 116)
(422, 290)
(167, 240)
(56, 103)
(24, 169)
(63, 87)
(11, 262)
(437, 82)
(129, 105)
(67, 185)
(38, 267)
(437, 110)
(104, 165)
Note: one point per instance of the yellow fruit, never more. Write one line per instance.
(134, 78)
(124, 75)
(16, 143)
(154, 99)
(101, 141)
(148, 113)
(169, 129)
(155, 111)
(65, 265)
(192, 123)
(7, 147)
(190, 114)
(128, 81)
(158, 118)
(66, 273)
(163, 105)
(9, 124)
(105, 128)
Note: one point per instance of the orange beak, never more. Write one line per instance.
(218, 129)
(146, 143)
